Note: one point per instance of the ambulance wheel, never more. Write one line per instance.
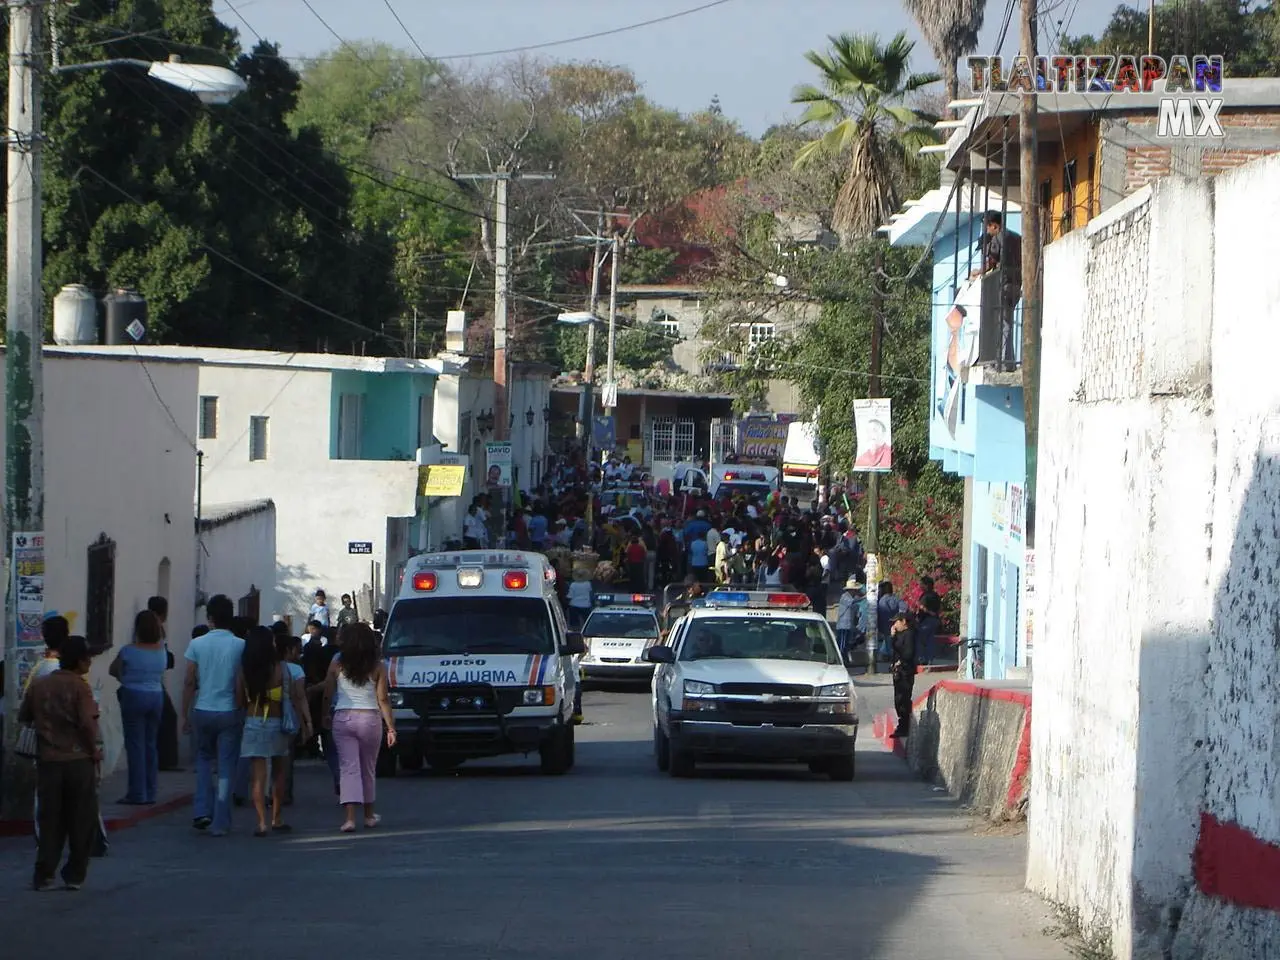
(411, 759)
(436, 762)
(556, 752)
(386, 764)
(661, 749)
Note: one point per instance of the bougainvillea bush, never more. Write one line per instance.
(920, 535)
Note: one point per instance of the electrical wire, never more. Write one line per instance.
(407, 32)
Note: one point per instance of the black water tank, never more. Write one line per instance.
(123, 307)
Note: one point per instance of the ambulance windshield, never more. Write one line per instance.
(449, 625)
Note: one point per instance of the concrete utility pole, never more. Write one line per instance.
(611, 383)
(873, 482)
(587, 405)
(24, 377)
(1032, 267)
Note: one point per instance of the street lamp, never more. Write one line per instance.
(24, 329)
(586, 402)
(528, 416)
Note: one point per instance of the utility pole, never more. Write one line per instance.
(1032, 268)
(611, 384)
(587, 405)
(24, 376)
(873, 481)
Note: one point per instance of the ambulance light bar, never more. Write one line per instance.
(755, 599)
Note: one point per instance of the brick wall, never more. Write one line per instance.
(1148, 163)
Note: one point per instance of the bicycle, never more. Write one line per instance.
(973, 663)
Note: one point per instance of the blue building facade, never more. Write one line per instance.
(976, 427)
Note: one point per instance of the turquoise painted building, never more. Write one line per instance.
(976, 427)
(380, 416)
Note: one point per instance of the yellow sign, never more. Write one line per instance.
(441, 480)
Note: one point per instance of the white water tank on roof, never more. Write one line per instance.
(75, 316)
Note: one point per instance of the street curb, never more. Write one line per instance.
(25, 828)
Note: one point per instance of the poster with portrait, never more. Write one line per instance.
(498, 464)
(959, 351)
(874, 435)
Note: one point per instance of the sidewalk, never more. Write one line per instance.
(173, 791)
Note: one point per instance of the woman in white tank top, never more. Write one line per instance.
(356, 689)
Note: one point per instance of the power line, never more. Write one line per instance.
(412, 39)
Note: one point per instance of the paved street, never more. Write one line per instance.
(612, 861)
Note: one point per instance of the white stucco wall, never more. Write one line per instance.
(458, 397)
(117, 462)
(321, 504)
(1154, 689)
(529, 443)
(240, 553)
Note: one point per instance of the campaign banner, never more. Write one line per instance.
(604, 433)
(28, 588)
(441, 480)
(762, 439)
(498, 459)
(873, 430)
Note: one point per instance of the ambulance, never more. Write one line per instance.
(481, 662)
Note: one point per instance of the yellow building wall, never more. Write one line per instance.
(1084, 200)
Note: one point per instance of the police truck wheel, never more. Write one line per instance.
(556, 752)
(681, 762)
(661, 749)
(841, 768)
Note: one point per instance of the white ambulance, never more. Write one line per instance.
(480, 661)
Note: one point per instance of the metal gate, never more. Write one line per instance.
(670, 437)
(723, 440)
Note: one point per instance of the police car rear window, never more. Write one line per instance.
(444, 625)
(621, 625)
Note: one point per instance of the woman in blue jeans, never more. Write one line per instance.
(140, 669)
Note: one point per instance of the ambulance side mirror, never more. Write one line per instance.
(574, 645)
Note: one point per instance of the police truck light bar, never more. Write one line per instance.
(756, 599)
(610, 599)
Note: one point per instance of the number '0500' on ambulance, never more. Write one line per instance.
(480, 661)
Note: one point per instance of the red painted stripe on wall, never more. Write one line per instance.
(1234, 865)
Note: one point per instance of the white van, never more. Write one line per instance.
(800, 460)
(480, 661)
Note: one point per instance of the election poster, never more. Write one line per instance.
(604, 434)
(498, 461)
(873, 432)
(762, 439)
(28, 588)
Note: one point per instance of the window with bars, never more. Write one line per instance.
(350, 425)
(208, 418)
(258, 438)
(670, 438)
(756, 334)
(100, 599)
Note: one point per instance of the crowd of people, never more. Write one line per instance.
(254, 699)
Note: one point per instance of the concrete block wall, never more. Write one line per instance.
(1155, 729)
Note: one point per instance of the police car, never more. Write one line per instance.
(752, 676)
(617, 632)
(480, 661)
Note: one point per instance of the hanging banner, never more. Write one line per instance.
(28, 588)
(498, 459)
(959, 351)
(872, 427)
(604, 433)
(762, 439)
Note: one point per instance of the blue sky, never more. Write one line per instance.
(748, 52)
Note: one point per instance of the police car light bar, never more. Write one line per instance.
(609, 599)
(756, 599)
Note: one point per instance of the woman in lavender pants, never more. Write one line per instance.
(356, 691)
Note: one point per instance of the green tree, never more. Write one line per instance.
(950, 27)
(222, 217)
(861, 106)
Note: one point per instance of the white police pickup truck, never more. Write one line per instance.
(480, 661)
(751, 676)
(617, 632)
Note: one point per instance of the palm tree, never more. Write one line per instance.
(950, 27)
(861, 103)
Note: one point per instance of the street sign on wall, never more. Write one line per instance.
(360, 546)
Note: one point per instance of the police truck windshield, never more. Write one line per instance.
(453, 625)
(771, 638)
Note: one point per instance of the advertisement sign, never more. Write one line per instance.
(872, 427)
(604, 433)
(1017, 511)
(498, 460)
(1026, 604)
(762, 439)
(441, 480)
(999, 508)
(28, 588)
